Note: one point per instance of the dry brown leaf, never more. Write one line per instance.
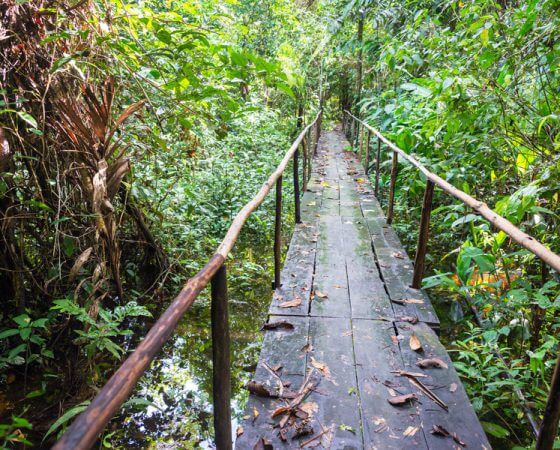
(402, 399)
(280, 410)
(309, 408)
(458, 440)
(412, 300)
(398, 255)
(260, 389)
(278, 325)
(432, 363)
(415, 343)
(291, 304)
(255, 413)
(439, 430)
(80, 261)
(307, 348)
(320, 294)
(239, 431)
(410, 431)
(410, 319)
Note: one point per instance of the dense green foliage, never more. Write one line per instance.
(131, 132)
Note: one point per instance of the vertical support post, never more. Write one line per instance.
(305, 148)
(394, 169)
(361, 149)
(318, 126)
(296, 187)
(377, 167)
(549, 425)
(368, 139)
(278, 234)
(419, 261)
(221, 373)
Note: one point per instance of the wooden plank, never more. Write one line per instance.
(368, 298)
(330, 271)
(280, 347)
(460, 417)
(336, 395)
(297, 273)
(378, 357)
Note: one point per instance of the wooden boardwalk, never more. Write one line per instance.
(355, 363)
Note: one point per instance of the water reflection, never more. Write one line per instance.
(172, 405)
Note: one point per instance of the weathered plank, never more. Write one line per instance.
(337, 395)
(384, 426)
(460, 417)
(287, 349)
(330, 271)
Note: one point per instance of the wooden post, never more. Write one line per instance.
(221, 373)
(377, 167)
(305, 147)
(394, 169)
(549, 424)
(361, 142)
(423, 236)
(278, 234)
(296, 187)
(368, 139)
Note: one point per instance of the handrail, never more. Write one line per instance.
(546, 433)
(83, 432)
(522, 238)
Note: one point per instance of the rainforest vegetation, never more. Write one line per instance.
(132, 131)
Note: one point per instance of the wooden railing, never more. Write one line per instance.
(355, 129)
(84, 431)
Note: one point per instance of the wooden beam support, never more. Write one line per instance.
(423, 235)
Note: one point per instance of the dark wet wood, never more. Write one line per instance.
(221, 360)
(353, 277)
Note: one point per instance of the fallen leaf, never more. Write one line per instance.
(260, 389)
(320, 294)
(432, 363)
(398, 255)
(402, 399)
(307, 348)
(303, 429)
(458, 440)
(255, 413)
(395, 339)
(345, 427)
(410, 431)
(452, 387)
(412, 300)
(280, 410)
(291, 304)
(263, 444)
(278, 325)
(321, 366)
(410, 319)
(239, 431)
(415, 343)
(439, 430)
(309, 408)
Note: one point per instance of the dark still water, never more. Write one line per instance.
(172, 405)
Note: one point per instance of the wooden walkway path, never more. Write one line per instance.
(355, 362)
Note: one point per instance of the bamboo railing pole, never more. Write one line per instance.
(419, 260)
(549, 425)
(221, 360)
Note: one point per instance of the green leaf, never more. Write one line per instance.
(28, 118)
(494, 429)
(23, 320)
(67, 416)
(7, 333)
